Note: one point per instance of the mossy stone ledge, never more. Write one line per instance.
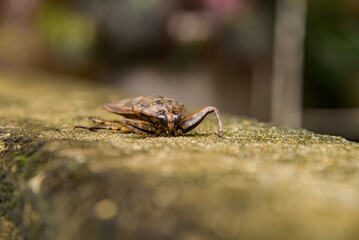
(264, 182)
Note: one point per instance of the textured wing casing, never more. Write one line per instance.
(154, 105)
(146, 108)
(123, 107)
(175, 106)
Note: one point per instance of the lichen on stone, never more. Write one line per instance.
(264, 182)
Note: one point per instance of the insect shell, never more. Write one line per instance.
(153, 116)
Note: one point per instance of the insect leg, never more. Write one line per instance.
(139, 126)
(108, 127)
(193, 120)
(105, 122)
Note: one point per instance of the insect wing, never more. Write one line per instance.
(154, 105)
(123, 107)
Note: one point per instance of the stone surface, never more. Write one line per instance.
(265, 182)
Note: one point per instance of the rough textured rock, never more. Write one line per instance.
(265, 182)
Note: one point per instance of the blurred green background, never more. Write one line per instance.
(203, 52)
(332, 54)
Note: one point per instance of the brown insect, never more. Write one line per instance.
(153, 116)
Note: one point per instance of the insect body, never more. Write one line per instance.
(153, 116)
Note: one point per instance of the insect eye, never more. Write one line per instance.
(163, 119)
(177, 118)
